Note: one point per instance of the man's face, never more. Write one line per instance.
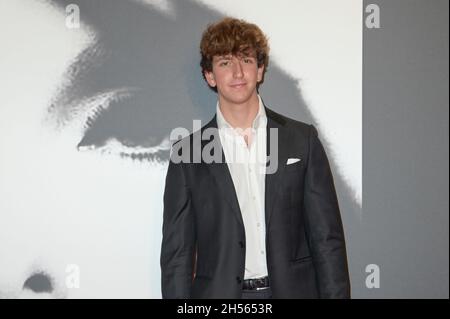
(235, 77)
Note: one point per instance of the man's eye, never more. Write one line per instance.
(224, 63)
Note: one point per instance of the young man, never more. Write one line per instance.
(232, 229)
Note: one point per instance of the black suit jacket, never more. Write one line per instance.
(203, 230)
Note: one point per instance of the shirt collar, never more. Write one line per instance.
(260, 120)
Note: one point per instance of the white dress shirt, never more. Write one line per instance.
(247, 166)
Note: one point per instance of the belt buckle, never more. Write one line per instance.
(262, 281)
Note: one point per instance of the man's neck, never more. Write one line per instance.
(240, 115)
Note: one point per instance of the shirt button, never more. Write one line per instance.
(241, 244)
(238, 279)
(262, 252)
(258, 224)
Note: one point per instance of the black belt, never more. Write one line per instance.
(256, 283)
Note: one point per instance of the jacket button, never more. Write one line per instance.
(241, 244)
(239, 280)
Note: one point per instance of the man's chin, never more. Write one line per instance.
(239, 98)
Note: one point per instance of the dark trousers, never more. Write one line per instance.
(257, 294)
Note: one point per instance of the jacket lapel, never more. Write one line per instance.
(222, 175)
(275, 123)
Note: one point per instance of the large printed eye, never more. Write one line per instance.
(110, 136)
(152, 148)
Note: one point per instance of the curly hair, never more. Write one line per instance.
(233, 36)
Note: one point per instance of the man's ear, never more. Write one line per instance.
(260, 73)
(209, 76)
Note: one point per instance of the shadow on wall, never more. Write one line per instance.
(150, 59)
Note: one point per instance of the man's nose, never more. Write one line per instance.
(237, 69)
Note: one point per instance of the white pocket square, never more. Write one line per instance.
(293, 160)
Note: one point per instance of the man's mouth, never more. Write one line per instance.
(238, 85)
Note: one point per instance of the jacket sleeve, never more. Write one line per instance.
(323, 224)
(178, 240)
